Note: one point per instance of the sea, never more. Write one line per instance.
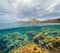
(12, 36)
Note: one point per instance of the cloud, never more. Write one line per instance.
(52, 6)
(21, 10)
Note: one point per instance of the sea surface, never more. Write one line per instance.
(13, 36)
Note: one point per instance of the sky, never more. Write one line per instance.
(25, 10)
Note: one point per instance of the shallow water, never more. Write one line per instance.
(16, 36)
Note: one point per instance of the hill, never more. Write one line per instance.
(52, 21)
(34, 21)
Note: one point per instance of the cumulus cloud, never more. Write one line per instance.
(24, 10)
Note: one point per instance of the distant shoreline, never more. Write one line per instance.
(34, 21)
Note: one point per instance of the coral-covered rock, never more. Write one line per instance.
(30, 48)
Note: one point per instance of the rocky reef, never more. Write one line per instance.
(30, 48)
(30, 40)
(40, 44)
(49, 43)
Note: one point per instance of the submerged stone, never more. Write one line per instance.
(30, 48)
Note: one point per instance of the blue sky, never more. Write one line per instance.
(24, 10)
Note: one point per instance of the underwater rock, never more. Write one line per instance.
(38, 37)
(53, 43)
(9, 49)
(57, 50)
(56, 43)
(15, 35)
(54, 33)
(30, 35)
(26, 41)
(47, 42)
(36, 41)
(2, 44)
(30, 48)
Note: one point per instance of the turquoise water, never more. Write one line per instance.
(14, 37)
